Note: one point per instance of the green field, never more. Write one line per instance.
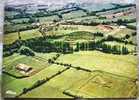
(74, 14)
(10, 38)
(80, 78)
(110, 65)
(48, 19)
(37, 63)
(27, 82)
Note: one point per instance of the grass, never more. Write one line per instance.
(124, 65)
(117, 32)
(80, 35)
(102, 85)
(114, 11)
(89, 85)
(97, 6)
(74, 14)
(113, 64)
(27, 82)
(10, 13)
(133, 24)
(11, 62)
(84, 18)
(85, 28)
(11, 37)
(9, 28)
(58, 84)
(127, 17)
(48, 19)
(20, 20)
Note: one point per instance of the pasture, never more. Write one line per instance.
(103, 78)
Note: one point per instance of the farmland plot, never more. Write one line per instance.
(101, 61)
(28, 82)
(86, 85)
(37, 63)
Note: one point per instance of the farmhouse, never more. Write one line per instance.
(24, 68)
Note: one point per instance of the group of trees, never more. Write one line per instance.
(53, 58)
(114, 49)
(89, 22)
(42, 45)
(11, 48)
(121, 40)
(125, 21)
(26, 51)
(98, 34)
(17, 46)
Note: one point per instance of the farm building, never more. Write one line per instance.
(24, 68)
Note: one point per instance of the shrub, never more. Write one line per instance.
(50, 61)
(7, 53)
(25, 90)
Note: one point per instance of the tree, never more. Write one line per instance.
(77, 47)
(127, 36)
(25, 90)
(19, 35)
(124, 50)
(50, 61)
(119, 21)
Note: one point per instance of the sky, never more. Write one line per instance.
(65, 1)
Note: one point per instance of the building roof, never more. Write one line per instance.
(23, 67)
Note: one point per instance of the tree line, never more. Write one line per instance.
(106, 48)
(43, 45)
